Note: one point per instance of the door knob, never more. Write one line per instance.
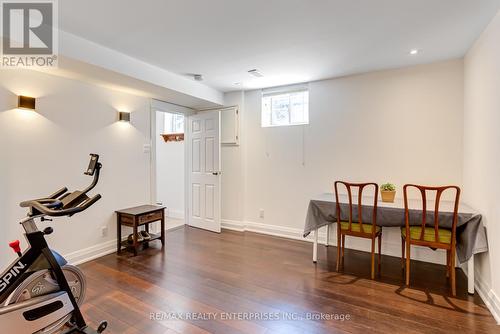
(216, 173)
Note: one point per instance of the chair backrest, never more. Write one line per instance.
(361, 187)
(439, 191)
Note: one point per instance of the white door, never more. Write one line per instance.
(204, 171)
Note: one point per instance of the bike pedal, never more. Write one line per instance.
(102, 326)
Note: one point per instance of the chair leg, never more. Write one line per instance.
(373, 259)
(343, 249)
(407, 262)
(403, 246)
(327, 235)
(448, 263)
(452, 269)
(379, 252)
(339, 246)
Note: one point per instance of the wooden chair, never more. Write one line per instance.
(433, 237)
(357, 229)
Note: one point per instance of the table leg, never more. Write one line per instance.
(135, 244)
(470, 275)
(163, 230)
(118, 234)
(327, 235)
(146, 228)
(315, 246)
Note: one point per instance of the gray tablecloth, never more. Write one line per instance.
(471, 234)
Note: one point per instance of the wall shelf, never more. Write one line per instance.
(173, 137)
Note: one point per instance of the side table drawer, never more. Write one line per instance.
(150, 217)
(125, 219)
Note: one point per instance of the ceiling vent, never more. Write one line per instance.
(256, 73)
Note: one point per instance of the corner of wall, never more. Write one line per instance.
(480, 179)
(488, 295)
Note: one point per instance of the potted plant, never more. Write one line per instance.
(388, 192)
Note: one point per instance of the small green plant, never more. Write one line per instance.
(388, 187)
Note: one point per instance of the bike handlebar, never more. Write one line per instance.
(47, 210)
(62, 203)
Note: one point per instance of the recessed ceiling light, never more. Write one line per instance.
(414, 52)
(256, 73)
(237, 84)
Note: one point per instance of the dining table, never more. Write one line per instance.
(471, 234)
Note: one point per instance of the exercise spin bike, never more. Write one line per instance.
(39, 292)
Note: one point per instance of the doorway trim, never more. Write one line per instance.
(158, 105)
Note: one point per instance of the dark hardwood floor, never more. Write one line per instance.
(249, 277)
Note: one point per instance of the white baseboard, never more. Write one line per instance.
(91, 253)
(105, 248)
(388, 248)
(489, 297)
(233, 225)
(172, 225)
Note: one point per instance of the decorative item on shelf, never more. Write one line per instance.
(388, 192)
(124, 116)
(173, 137)
(26, 102)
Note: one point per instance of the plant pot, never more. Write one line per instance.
(388, 196)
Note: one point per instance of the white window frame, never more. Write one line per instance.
(171, 126)
(277, 91)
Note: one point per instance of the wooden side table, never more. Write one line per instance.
(138, 216)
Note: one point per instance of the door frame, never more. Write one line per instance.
(158, 105)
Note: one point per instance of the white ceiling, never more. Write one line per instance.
(289, 41)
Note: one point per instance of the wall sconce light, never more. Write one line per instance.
(26, 102)
(124, 116)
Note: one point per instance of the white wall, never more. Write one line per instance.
(45, 150)
(169, 172)
(398, 126)
(482, 152)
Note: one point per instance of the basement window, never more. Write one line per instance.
(285, 107)
(173, 127)
(174, 123)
